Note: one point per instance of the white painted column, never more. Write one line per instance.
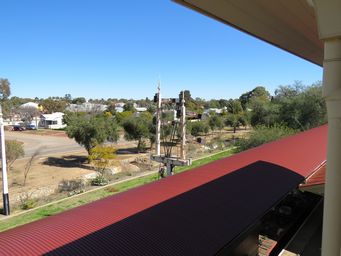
(331, 242)
(5, 197)
(329, 28)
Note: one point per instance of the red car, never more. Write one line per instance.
(17, 128)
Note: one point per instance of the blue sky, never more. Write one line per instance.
(119, 49)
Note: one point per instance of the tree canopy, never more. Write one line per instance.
(139, 128)
(50, 105)
(5, 89)
(90, 131)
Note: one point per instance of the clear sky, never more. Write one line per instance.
(119, 49)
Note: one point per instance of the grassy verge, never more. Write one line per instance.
(91, 196)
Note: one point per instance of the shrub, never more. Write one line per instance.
(14, 150)
(27, 202)
(71, 185)
(263, 134)
(100, 180)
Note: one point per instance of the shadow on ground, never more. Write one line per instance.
(127, 151)
(71, 161)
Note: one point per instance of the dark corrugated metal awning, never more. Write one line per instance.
(201, 221)
(171, 198)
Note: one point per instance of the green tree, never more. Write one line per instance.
(259, 93)
(301, 108)
(236, 116)
(263, 113)
(29, 114)
(79, 100)
(90, 131)
(235, 121)
(138, 128)
(215, 122)
(112, 109)
(68, 98)
(289, 91)
(50, 105)
(198, 128)
(123, 116)
(234, 106)
(5, 92)
(129, 106)
(5, 89)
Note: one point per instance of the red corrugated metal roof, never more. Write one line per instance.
(301, 153)
(317, 178)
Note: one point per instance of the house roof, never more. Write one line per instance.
(290, 25)
(160, 219)
(53, 116)
(30, 105)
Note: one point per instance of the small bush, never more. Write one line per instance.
(27, 202)
(71, 185)
(100, 180)
(75, 192)
(14, 150)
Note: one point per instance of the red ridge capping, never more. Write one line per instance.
(302, 153)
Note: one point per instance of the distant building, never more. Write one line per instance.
(119, 105)
(87, 107)
(52, 121)
(119, 109)
(31, 105)
(141, 109)
(209, 111)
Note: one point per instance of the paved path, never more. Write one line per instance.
(46, 145)
(50, 145)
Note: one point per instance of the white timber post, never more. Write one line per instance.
(5, 197)
(158, 121)
(328, 13)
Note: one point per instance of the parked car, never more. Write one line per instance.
(31, 127)
(17, 128)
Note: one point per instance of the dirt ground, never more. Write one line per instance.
(60, 158)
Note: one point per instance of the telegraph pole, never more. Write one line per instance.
(183, 127)
(4, 167)
(158, 121)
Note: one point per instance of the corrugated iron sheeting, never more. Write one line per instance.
(301, 153)
(199, 222)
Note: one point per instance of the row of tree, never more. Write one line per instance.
(296, 106)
